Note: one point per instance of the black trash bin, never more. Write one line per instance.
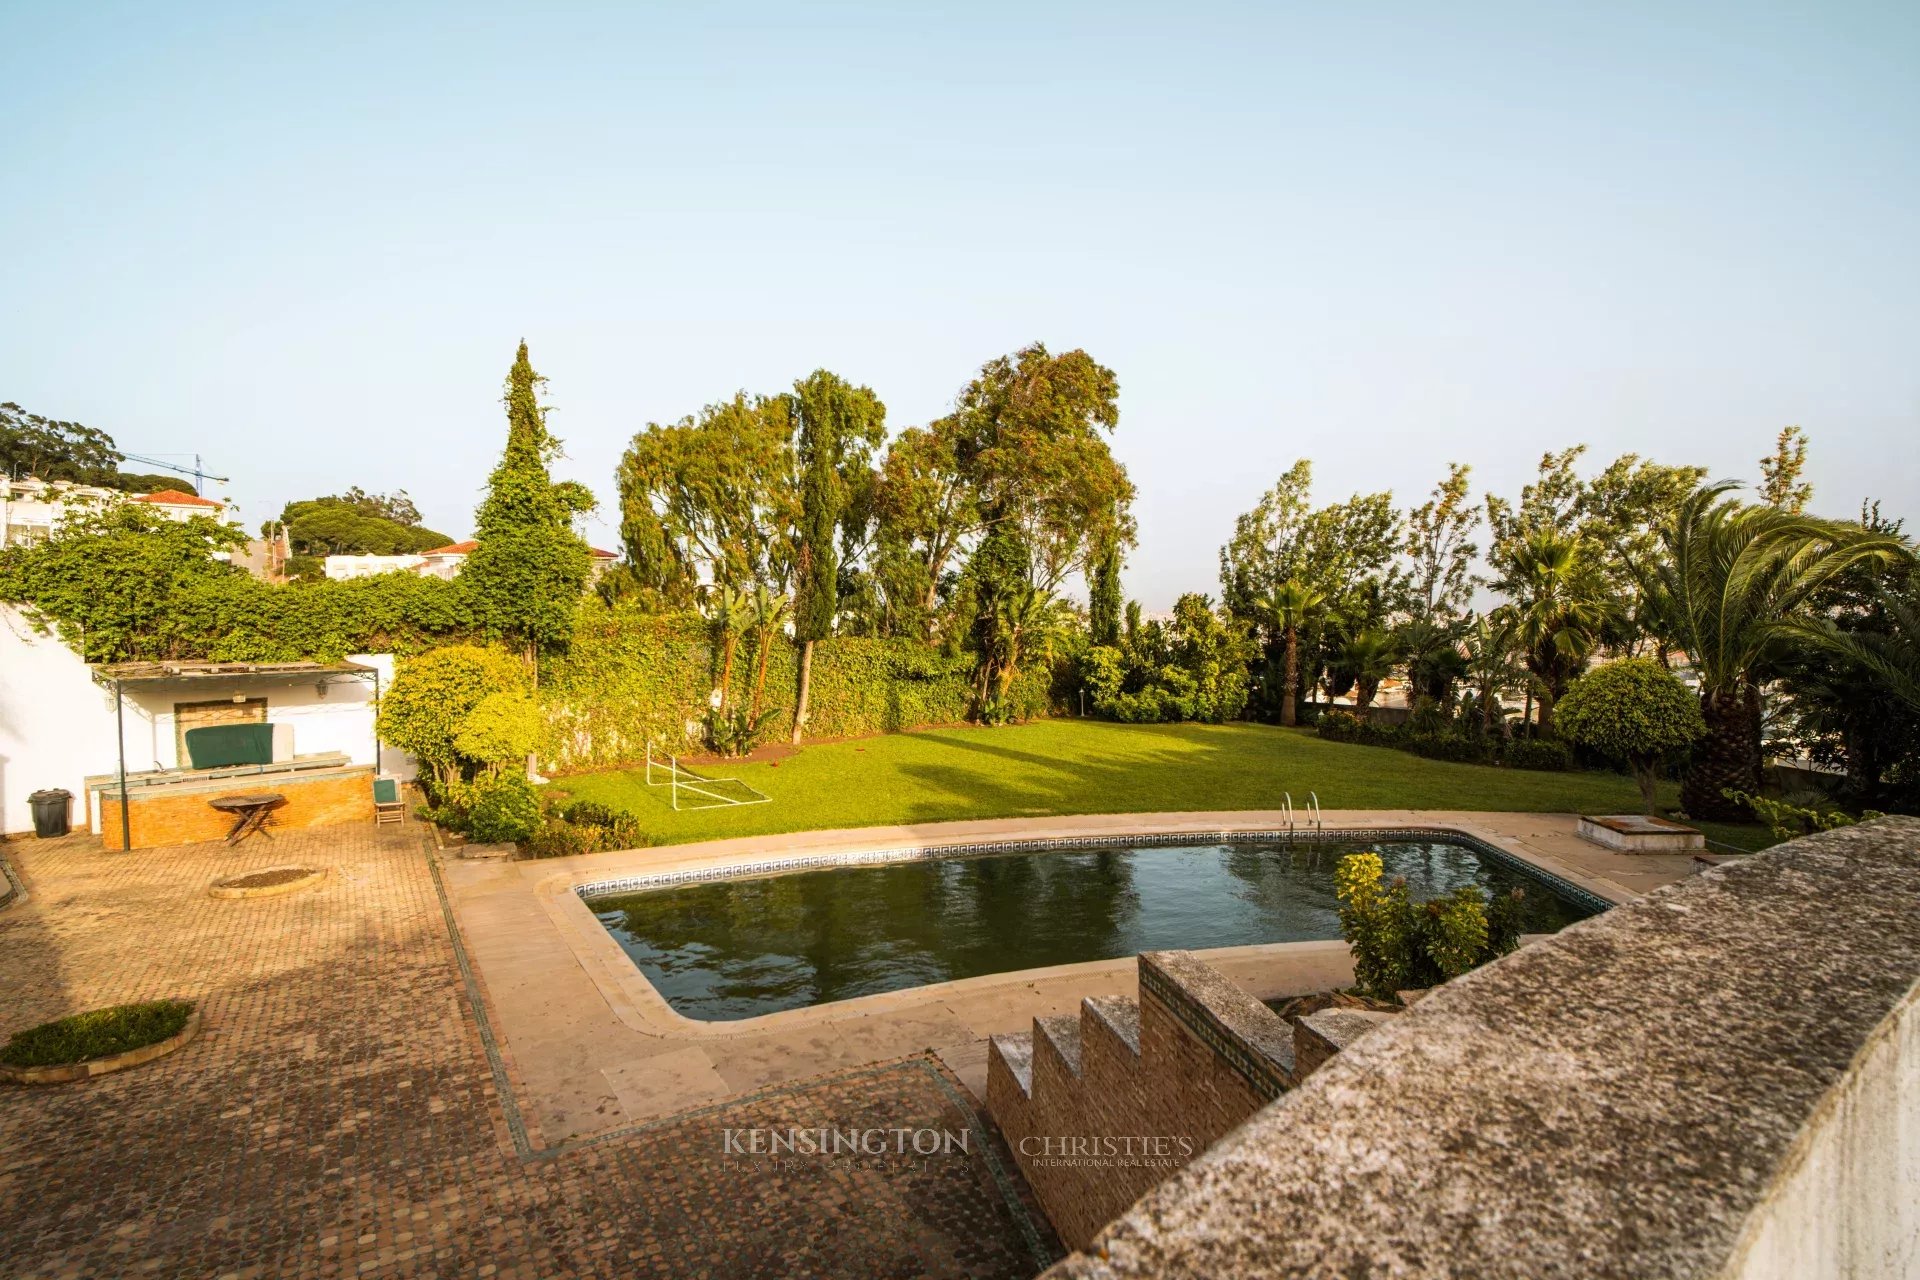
(50, 811)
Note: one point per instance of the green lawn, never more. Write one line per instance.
(1089, 766)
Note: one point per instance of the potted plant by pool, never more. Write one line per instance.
(98, 1042)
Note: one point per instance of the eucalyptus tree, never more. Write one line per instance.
(1618, 507)
(1029, 440)
(526, 577)
(1780, 472)
(1342, 550)
(926, 514)
(839, 426)
(1735, 586)
(1439, 546)
(712, 499)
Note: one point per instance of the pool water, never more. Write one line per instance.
(724, 950)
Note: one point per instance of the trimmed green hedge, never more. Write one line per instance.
(1446, 744)
(629, 677)
(99, 1033)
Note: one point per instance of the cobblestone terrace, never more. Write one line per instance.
(339, 1115)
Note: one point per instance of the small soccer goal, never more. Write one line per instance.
(689, 790)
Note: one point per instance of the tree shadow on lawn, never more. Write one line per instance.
(1146, 782)
(1188, 737)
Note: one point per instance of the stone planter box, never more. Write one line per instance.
(1635, 833)
(72, 1071)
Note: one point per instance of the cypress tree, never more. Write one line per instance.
(526, 576)
(1103, 597)
(840, 424)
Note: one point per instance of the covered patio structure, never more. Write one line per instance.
(297, 737)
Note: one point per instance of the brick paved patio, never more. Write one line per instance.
(339, 1117)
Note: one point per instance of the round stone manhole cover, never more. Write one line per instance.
(266, 883)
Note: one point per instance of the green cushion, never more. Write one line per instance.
(386, 791)
(219, 745)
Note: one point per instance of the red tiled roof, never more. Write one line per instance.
(453, 549)
(175, 498)
(598, 554)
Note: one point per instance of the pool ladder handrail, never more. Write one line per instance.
(1313, 811)
(1286, 812)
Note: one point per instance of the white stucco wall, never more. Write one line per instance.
(57, 724)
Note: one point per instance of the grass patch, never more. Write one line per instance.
(98, 1034)
(1091, 766)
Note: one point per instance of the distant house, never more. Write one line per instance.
(177, 504)
(440, 562)
(340, 567)
(31, 509)
(444, 562)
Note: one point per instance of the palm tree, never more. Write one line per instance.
(1369, 658)
(1288, 606)
(1434, 661)
(730, 612)
(1024, 617)
(769, 611)
(1561, 605)
(1492, 663)
(1732, 587)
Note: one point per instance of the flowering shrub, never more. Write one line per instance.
(1400, 944)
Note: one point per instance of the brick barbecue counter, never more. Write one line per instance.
(170, 807)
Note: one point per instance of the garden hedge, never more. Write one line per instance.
(629, 677)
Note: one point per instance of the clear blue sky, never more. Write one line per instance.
(1383, 236)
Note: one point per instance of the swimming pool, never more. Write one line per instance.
(729, 949)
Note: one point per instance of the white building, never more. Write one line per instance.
(57, 719)
(30, 509)
(342, 567)
(441, 562)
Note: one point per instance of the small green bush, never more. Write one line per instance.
(504, 810)
(1789, 821)
(1338, 726)
(557, 838)
(585, 826)
(1544, 754)
(1399, 944)
(98, 1034)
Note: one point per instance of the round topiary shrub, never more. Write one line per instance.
(100, 1033)
(1634, 711)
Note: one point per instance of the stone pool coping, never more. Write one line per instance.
(587, 1045)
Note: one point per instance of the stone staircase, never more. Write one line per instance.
(1102, 1105)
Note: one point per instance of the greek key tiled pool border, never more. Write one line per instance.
(637, 882)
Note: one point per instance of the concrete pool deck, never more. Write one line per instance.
(590, 1047)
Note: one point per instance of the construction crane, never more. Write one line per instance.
(199, 474)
